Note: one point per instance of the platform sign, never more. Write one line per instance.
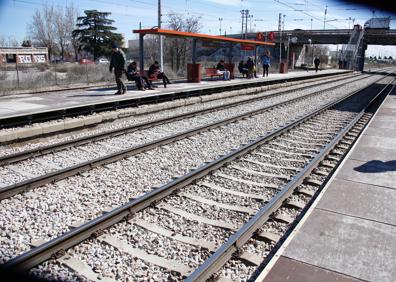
(39, 58)
(24, 59)
(247, 47)
(271, 36)
(260, 36)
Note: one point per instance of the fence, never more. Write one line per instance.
(14, 78)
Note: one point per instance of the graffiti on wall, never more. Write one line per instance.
(39, 58)
(24, 59)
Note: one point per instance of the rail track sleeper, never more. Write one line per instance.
(212, 264)
(69, 239)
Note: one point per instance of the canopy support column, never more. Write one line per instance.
(141, 51)
(255, 55)
(194, 51)
(230, 53)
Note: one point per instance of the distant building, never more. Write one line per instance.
(23, 55)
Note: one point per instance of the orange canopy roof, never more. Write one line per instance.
(201, 36)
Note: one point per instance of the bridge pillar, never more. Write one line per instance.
(360, 62)
(299, 55)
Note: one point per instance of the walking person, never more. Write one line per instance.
(220, 69)
(316, 63)
(118, 63)
(266, 62)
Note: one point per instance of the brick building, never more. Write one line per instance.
(23, 55)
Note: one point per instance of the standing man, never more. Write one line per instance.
(118, 63)
(316, 62)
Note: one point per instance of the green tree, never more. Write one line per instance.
(96, 33)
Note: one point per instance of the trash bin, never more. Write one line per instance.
(194, 72)
(283, 68)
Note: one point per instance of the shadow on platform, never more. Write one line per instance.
(376, 166)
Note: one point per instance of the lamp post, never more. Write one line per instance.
(160, 37)
(310, 46)
(324, 20)
(220, 20)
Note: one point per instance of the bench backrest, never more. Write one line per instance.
(151, 77)
(211, 71)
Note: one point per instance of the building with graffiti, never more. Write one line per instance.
(23, 55)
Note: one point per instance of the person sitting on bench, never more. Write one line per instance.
(133, 74)
(155, 70)
(222, 70)
(251, 68)
(243, 69)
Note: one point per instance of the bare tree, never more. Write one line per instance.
(71, 19)
(42, 28)
(178, 49)
(8, 42)
(65, 23)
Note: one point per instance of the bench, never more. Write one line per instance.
(212, 72)
(153, 77)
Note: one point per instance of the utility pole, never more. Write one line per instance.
(311, 23)
(250, 22)
(220, 20)
(245, 16)
(324, 20)
(246, 19)
(280, 37)
(243, 19)
(160, 37)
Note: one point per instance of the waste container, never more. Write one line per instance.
(194, 72)
(283, 68)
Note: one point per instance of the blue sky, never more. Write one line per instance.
(16, 14)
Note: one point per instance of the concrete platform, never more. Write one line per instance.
(16, 105)
(350, 234)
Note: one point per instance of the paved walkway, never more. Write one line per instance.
(33, 103)
(350, 235)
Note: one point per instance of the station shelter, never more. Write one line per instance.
(194, 69)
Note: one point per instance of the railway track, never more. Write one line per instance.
(222, 197)
(61, 160)
(62, 113)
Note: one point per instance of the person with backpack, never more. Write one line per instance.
(118, 63)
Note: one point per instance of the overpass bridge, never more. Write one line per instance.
(355, 41)
(333, 36)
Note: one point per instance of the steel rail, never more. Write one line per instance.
(225, 252)
(58, 245)
(57, 175)
(12, 158)
(61, 113)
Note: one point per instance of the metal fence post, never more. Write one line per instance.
(86, 72)
(16, 67)
(56, 79)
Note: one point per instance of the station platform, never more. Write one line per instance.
(349, 233)
(24, 104)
